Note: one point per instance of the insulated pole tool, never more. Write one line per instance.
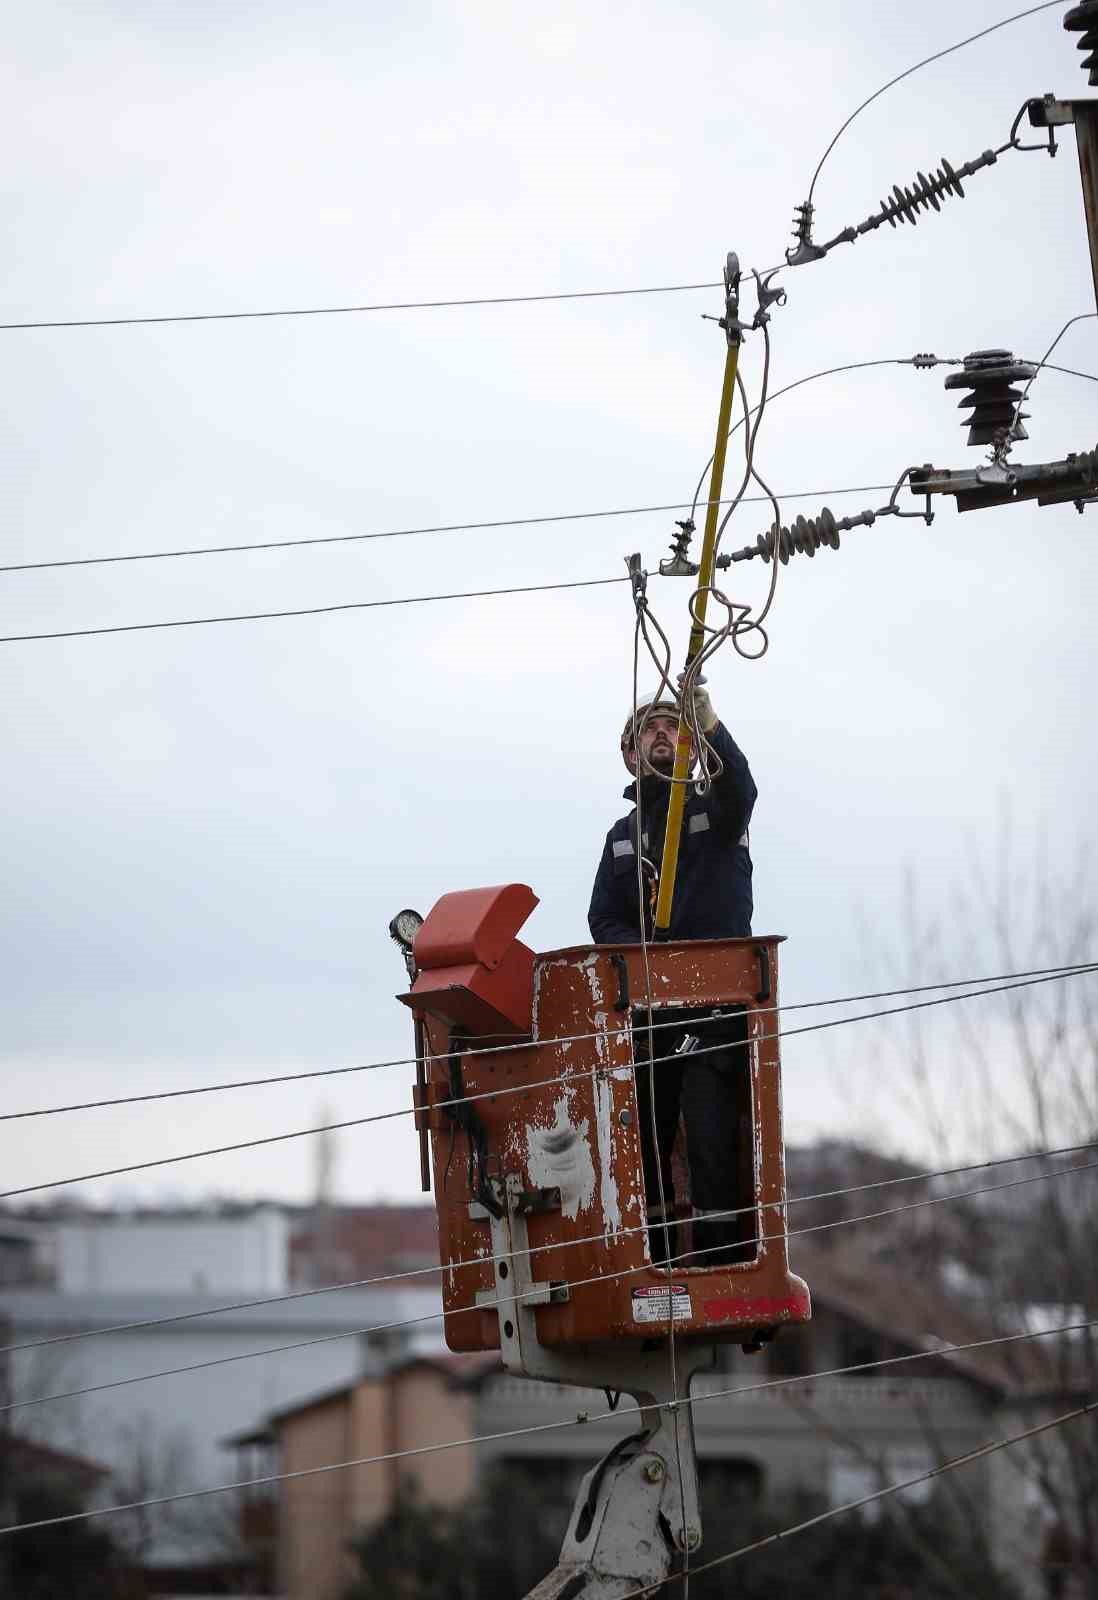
(730, 322)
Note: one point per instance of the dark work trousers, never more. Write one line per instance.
(708, 1086)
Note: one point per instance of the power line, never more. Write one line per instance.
(512, 522)
(420, 1272)
(570, 1038)
(312, 611)
(972, 38)
(879, 1494)
(563, 1077)
(442, 527)
(1050, 366)
(544, 1427)
(341, 311)
(515, 522)
(572, 1283)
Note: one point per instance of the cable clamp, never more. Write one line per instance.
(998, 474)
(767, 297)
(893, 510)
(734, 329)
(639, 580)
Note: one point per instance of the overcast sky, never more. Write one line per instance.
(206, 830)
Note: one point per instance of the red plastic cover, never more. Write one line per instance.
(473, 926)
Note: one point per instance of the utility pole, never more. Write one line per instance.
(1051, 113)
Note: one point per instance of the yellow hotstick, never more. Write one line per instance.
(673, 831)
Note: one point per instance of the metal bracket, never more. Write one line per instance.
(1048, 112)
(515, 1292)
(1049, 483)
(626, 1525)
(639, 1506)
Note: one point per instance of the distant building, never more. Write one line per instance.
(843, 1435)
(166, 1274)
(152, 1254)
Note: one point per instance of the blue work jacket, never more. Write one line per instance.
(712, 897)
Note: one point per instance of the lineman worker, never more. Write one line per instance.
(712, 900)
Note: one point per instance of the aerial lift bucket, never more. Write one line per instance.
(527, 1098)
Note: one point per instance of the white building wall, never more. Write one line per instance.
(165, 1435)
(190, 1255)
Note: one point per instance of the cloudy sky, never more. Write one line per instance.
(206, 830)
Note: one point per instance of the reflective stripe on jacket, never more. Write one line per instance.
(713, 883)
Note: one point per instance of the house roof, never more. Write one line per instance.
(913, 1309)
(365, 1241)
(457, 1370)
(31, 1455)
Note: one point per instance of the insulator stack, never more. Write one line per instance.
(922, 194)
(680, 565)
(904, 204)
(802, 537)
(991, 376)
(804, 249)
(1084, 19)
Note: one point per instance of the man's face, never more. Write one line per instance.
(657, 742)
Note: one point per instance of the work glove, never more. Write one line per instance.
(704, 714)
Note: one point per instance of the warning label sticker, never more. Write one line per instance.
(664, 1302)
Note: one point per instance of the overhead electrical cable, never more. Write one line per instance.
(1004, 22)
(564, 1244)
(343, 311)
(409, 533)
(937, 1353)
(571, 1038)
(877, 1495)
(919, 361)
(505, 1299)
(1043, 364)
(512, 522)
(469, 1099)
(517, 522)
(312, 611)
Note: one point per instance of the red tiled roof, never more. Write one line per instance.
(347, 1242)
(29, 1455)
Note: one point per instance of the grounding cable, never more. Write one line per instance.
(570, 1038)
(582, 1419)
(573, 1283)
(563, 1077)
